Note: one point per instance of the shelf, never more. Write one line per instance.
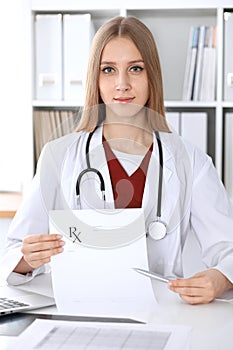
(72, 5)
(177, 103)
(170, 24)
(9, 203)
(62, 104)
(227, 104)
(191, 104)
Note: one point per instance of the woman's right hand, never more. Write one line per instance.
(37, 251)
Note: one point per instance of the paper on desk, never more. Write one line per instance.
(102, 282)
(48, 334)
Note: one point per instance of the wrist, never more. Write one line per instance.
(23, 267)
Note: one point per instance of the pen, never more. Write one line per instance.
(151, 275)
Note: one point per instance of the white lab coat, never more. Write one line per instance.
(193, 199)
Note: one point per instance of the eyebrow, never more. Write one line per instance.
(130, 62)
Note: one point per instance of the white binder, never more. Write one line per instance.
(228, 156)
(77, 35)
(48, 56)
(190, 65)
(228, 56)
(199, 64)
(194, 128)
(208, 79)
(173, 120)
(190, 69)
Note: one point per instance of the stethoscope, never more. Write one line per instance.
(157, 229)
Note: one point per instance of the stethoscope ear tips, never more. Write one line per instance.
(157, 230)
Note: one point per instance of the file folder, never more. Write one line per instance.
(208, 79)
(199, 64)
(194, 128)
(48, 56)
(228, 158)
(77, 35)
(190, 69)
(190, 64)
(173, 119)
(228, 56)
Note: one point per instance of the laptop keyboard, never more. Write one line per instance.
(6, 303)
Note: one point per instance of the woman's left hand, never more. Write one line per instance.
(202, 288)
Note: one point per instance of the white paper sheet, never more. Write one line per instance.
(102, 282)
(102, 228)
(48, 334)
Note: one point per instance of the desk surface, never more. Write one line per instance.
(9, 203)
(212, 324)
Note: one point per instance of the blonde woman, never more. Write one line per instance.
(123, 126)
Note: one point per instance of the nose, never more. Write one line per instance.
(122, 82)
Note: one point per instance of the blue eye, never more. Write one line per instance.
(107, 70)
(136, 69)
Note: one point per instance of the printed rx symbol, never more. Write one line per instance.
(75, 235)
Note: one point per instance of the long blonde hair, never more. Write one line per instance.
(135, 30)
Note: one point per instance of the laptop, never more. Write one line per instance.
(14, 300)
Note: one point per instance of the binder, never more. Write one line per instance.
(191, 62)
(228, 56)
(77, 35)
(208, 81)
(189, 67)
(42, 130)
(49, 125)
(194, 128)
(48, 56)
(173, 119)
(228, 156)
(199, 63)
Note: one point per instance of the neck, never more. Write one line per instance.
(128, 138)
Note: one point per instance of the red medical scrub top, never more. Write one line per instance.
(127, 190)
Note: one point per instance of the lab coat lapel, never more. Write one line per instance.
(149, 202)
(176, 187)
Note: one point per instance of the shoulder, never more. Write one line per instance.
(56, 150)
(184, 153)
(62, 144)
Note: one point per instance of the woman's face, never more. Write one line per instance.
(123, 77)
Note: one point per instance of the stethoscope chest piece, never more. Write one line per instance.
(157, 230)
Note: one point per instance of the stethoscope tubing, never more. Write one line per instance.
(101, 179)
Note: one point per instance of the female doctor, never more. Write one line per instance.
(143, 164)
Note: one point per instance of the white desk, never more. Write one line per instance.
(212, 324)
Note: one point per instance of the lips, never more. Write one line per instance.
(124, 99)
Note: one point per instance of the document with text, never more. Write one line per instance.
(49, 334)
(92, 281)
